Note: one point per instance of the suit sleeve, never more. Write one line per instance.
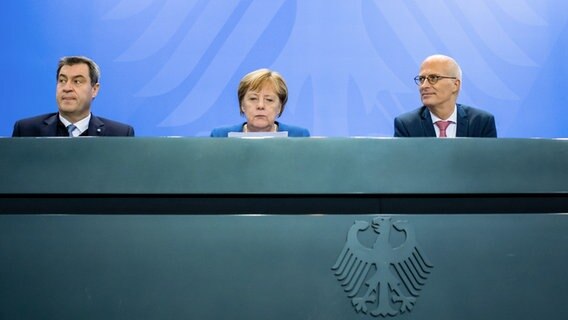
(490, 130)
(16, 131)
(305, 133)
(399, 128)
(218, 133)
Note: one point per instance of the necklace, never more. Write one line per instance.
(273, 129)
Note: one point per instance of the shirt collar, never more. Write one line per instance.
(82, 125)
(453, 118)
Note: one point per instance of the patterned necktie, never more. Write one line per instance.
(443, 125)
(70, 129)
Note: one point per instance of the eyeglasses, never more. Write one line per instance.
(432, 79)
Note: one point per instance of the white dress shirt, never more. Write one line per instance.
(452, 128)
(81, 125)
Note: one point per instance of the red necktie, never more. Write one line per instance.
(443, 125)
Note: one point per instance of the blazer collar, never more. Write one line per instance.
(96, 127)
(427, 125)
(49, 128)
(463, 122)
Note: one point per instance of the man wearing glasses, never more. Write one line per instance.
(439, 83)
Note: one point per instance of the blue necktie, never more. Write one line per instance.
(70, 129)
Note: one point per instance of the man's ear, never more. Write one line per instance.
(457, 85)
(95, 91)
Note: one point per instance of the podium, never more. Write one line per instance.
(303, 228)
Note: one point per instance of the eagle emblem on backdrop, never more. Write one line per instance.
(385, 277)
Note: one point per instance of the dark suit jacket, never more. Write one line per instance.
(471, 122)
(48, 125)
(293, 131)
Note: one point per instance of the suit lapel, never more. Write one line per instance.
(427, 123)
(463, 122)
(49, 128)
(96, 127)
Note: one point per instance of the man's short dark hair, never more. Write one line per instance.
(94, 71)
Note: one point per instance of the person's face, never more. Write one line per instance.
(74, 91)
(261, 108)
(442, 93)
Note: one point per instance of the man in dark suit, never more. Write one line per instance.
(439, 84)
(77, 86)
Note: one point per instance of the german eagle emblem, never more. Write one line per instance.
(382, 280)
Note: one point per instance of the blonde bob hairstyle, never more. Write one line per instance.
(257, 79)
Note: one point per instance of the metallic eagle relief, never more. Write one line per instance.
(385, 279)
